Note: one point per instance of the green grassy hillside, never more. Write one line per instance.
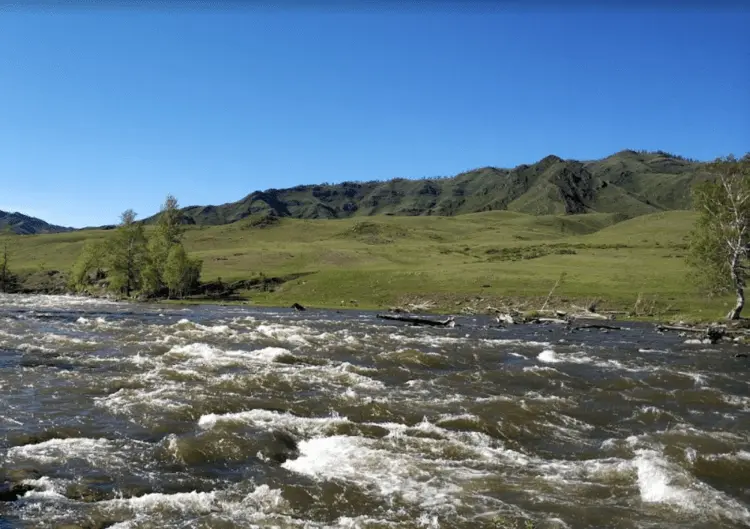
(629, 183)
(472, 260)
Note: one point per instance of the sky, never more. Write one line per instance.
(104, 109)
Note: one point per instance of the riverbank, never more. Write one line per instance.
(529, 308)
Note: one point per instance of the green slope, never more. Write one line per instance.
(628, 183)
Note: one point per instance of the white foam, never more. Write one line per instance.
(549, 356)
(356, 460)
(101, 453)
(205, 354)
(307, 426)
(184, 502)
(660, 481)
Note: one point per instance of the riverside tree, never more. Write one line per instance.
(720, 241)
(167, 233)
(127, 251)
(135, 263)
(6, 278)
(181, 274)
(92, 261)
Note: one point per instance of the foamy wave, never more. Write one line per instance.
(304, 426)
(662, 482)
(353, 459)
(96, 452)
(53, 301)
(209, 355)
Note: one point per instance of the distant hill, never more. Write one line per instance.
(25, 225)
(629, 183)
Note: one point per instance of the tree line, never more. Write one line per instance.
(133, 263)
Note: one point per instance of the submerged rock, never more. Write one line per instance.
(282, 447)
(13, 491)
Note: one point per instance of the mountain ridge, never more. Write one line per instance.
(22, 224)
(630, 183)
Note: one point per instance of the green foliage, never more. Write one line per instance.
(723, 222)
(127, 252)
(720, 240)
(167, 263)
(92, 261)
(7, 279)
(181, 274)
(139, 264)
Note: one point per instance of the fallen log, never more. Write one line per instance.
(712, 334)
(417, 320)
(599, 326)
(552, 320)
(682, 328)
(589, 316)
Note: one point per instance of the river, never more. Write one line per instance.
(143, 416)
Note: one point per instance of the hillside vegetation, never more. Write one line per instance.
(469, 261)
(24, 225)
(628, 183)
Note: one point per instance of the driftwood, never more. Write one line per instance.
(298, 307)
(598, 326)
(506, 318)
(551, 320)
(417, 320)
(682, 328)
(712, 334)
(589, 316)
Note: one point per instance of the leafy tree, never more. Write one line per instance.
(6, 277)
(181, 274)
(175, 270)
(127, 252)
(720, 241)
(136, 263)
(167, 233)
(92, 259)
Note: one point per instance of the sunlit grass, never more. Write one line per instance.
(497, 256)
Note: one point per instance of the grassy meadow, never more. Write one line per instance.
(497, 258)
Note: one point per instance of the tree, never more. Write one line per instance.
(181, 273)
(6, 278)
(92, 259)
(720, 241)
(175, 270)
(167, 233)
(127, 252)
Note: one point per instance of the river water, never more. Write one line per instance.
(140, 416)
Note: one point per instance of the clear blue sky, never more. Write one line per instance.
(108, 109)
